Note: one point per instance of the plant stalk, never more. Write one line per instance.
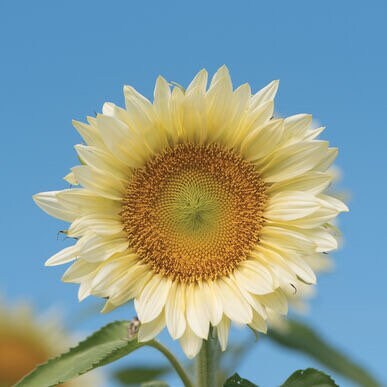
(174, 362)
(207, 361)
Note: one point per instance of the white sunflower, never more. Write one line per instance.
(27, 340)
(200, 206)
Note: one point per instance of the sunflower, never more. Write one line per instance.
(27, 340)
(200, 206)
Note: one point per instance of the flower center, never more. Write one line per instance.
(194, 212)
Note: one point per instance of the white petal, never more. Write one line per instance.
(263, 140)
(213, 303)
(323, 239)
(81, 202)
(118, 138)
(66, 255)
(97, 248)
(254, 277)
(196, 311)
(327, 160)
(103, 162)
(190, 343)
(89, 134)
(296, 126)
(102, 184)
(287, 239)
(174, 311)
(290, 205)
(266, 94)
(313, 182)
(49, 202)
(199, 82)
(70, 178)
(101, 224)
(334, 203)
(235, 305)
(258, 323)
(294, 160)
(150, 330)
(153, 298)
(276, 301)
(223, 329)
(79, 269)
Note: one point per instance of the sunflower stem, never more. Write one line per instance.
(207, 361)
(174, 362)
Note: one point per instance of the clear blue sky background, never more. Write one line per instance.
(62, 60)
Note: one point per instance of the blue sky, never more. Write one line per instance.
(62, 60)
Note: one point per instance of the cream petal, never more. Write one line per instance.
(262, 141)
(222, 330)
(253, 300)
(196, 311)
(258, 323)
(222, 75)
(81, 202)
(102, 184)
(85, 287)
(234, 304)
(334, 203)
(252, 120)
(276, 301)
(290, 205)
(101, 224)
(312, 134)
(297, 126)
(264, 95)
(110, 272)
(214, 306)
(66, 255)
(118, 138)
(293, 260)
(313, 182)
(316, 219)
(254, 277)
(130, 285)
(97, 248)
(190, 343)
(103, 162)
(89, 134)
(287, 239)
(49, 202)
(79, 269)
(323, 239)
(175, 311)
(162, 99)
(150, 330)
(70, 178)
(151, 301)
(329, 157)
(199, 82)
(293, 160)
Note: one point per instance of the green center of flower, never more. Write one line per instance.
(194, 212)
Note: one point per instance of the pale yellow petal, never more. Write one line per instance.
(150, 330)
(152, 300)
(190, 343)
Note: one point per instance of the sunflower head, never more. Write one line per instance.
(200, 206)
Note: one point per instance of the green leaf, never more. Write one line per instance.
(309, 377)
(155, 383)
(302, 338)
(237, 381)
(104, 346)
(137, 375)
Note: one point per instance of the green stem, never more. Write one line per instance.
(174, 362)
(207, 361)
